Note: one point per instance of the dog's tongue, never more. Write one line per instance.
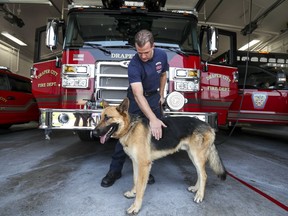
(103, 139)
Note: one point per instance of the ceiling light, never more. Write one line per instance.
(27, 1)
(250, 44)
(11, 37)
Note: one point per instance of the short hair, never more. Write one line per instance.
(144, 36)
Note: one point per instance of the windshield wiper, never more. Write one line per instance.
(98, 46)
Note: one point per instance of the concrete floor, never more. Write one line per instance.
(62, 177)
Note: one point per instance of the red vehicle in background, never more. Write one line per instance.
(17, 104)
(93, 48)
(263, 89)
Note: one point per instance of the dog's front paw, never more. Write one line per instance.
(198, 197)
(133, 209)
(130, 194)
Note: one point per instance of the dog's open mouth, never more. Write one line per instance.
(107, 135)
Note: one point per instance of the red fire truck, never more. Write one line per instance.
(93, 48)
(17, 104)
(263, 88)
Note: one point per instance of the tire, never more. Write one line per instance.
(85, 136)
(236, 132)
(5, 126)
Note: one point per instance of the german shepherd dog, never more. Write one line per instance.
(182, 133)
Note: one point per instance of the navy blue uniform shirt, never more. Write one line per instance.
(148, 73)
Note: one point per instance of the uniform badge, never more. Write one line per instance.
(158, 67)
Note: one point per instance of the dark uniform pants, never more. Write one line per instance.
(119, 156)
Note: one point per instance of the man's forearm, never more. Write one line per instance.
(144, 106)
(163, 81)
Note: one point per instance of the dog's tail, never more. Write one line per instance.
(216, 163)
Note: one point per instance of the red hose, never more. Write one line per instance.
(285, 207)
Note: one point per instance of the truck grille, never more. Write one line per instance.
(112, 81)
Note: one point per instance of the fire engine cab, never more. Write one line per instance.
(91, 51)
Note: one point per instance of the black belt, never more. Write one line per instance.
(148, 94)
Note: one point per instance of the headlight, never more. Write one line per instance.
(63, 118)
(75, 69)
(175, 101)
(186, 73)
(181, 73)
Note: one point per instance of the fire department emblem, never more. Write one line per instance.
(259, 100)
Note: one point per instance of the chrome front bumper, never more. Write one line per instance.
(79, 119)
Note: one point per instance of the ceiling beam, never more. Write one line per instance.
(55, 6)
(249, 28)
(199, 5)
(214, 9)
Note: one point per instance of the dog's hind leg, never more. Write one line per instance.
(199, 161)
(141, 183)
(194, 188)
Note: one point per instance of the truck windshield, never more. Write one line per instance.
(116, 30)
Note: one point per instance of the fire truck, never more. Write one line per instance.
(263, 88)
(89, 53)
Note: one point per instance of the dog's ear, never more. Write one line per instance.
(104, 104)
(123, 106)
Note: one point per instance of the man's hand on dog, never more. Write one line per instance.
(156, 128)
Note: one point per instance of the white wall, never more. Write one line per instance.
(12, 58)
(24, 66)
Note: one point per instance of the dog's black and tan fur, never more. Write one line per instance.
(182, 133)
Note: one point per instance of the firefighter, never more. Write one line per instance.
(147, 79)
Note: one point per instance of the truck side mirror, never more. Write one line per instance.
(33, 72)
(58, 62)
(280, 79)
(52, 34)
(212, 39)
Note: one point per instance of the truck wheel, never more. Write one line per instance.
(85, 136)
(5, 126)
(237, 131)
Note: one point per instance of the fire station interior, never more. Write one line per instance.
(57, 172)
